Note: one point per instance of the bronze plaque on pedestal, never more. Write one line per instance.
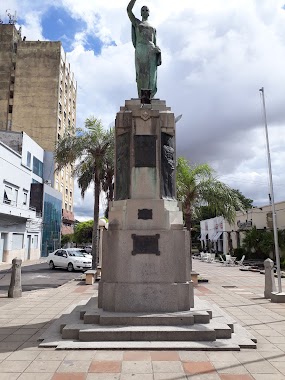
(145, 151)
(145, 244)
(145, 214)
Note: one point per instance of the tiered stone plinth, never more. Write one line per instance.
(146, 262)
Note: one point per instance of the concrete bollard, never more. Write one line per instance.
(15, 288)
(269, 278)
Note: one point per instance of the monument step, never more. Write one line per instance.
(138, 319)
(218, 345)
(148, 333)
(144, 333)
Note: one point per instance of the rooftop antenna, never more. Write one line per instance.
(12, 18)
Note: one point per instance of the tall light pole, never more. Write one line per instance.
(272, 195)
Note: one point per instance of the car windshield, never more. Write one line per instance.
(76, 253)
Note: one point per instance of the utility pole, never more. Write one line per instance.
(271, 195)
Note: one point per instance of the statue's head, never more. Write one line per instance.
(145, 12)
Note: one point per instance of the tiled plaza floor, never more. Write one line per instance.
(240, 294)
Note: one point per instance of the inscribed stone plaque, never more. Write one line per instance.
(122, 183)
(145, 214)
(145, 244)
(145, 151)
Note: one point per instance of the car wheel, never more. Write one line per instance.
(70, 267)
(51, 265)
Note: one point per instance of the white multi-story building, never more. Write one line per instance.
(20, 226)
(27, 232)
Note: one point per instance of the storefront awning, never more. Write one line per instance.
(217, 236)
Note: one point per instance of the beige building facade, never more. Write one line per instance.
(224, 237)
(38, 96)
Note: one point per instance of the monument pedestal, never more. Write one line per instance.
(146, 292)
(146, 259)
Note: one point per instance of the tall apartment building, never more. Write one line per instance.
(38, 96)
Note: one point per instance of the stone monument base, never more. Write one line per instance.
(278, 297)
(145, 282)
(206, 327)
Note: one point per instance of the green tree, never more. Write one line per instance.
(66, 239)
(246, 202)
(89, 150)
(258, 243)
(197, 186)
(83, 232)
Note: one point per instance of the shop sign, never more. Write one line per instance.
(244, 225)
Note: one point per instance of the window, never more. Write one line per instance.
(37, 167)
(70, 208)
(10, 108)
(36, 241)
(25, 198)
(28, 159)
(8, 195)
(65, 206)
(66, 191)
(16, 197)
(17, 241)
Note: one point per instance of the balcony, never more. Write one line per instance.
(67, 216)
(21, 211)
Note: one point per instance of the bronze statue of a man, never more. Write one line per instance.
(147, 53)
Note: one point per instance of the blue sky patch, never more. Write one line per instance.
(59, 25)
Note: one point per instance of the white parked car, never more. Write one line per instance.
(81, 250)
(69, 258)
(88, 248)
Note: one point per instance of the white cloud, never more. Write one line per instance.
(216, 56)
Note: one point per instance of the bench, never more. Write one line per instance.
(194, 278)
(91, 276)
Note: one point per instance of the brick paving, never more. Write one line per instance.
(240, 294)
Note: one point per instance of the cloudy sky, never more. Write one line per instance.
(216, 54)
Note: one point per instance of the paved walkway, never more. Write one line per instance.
(240, 294)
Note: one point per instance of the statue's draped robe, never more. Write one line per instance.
(147, 57)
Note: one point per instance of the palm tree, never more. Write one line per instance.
(197, 187)
(90, 151)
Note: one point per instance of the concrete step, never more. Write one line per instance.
(147, 321)
(138, 319)
(218, 345)
(91, 317)
(97, 332)
(143, 320)
(148, 333)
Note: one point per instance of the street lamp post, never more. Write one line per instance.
(272, 195)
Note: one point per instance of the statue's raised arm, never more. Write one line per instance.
(130, 12)
(147, 53)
